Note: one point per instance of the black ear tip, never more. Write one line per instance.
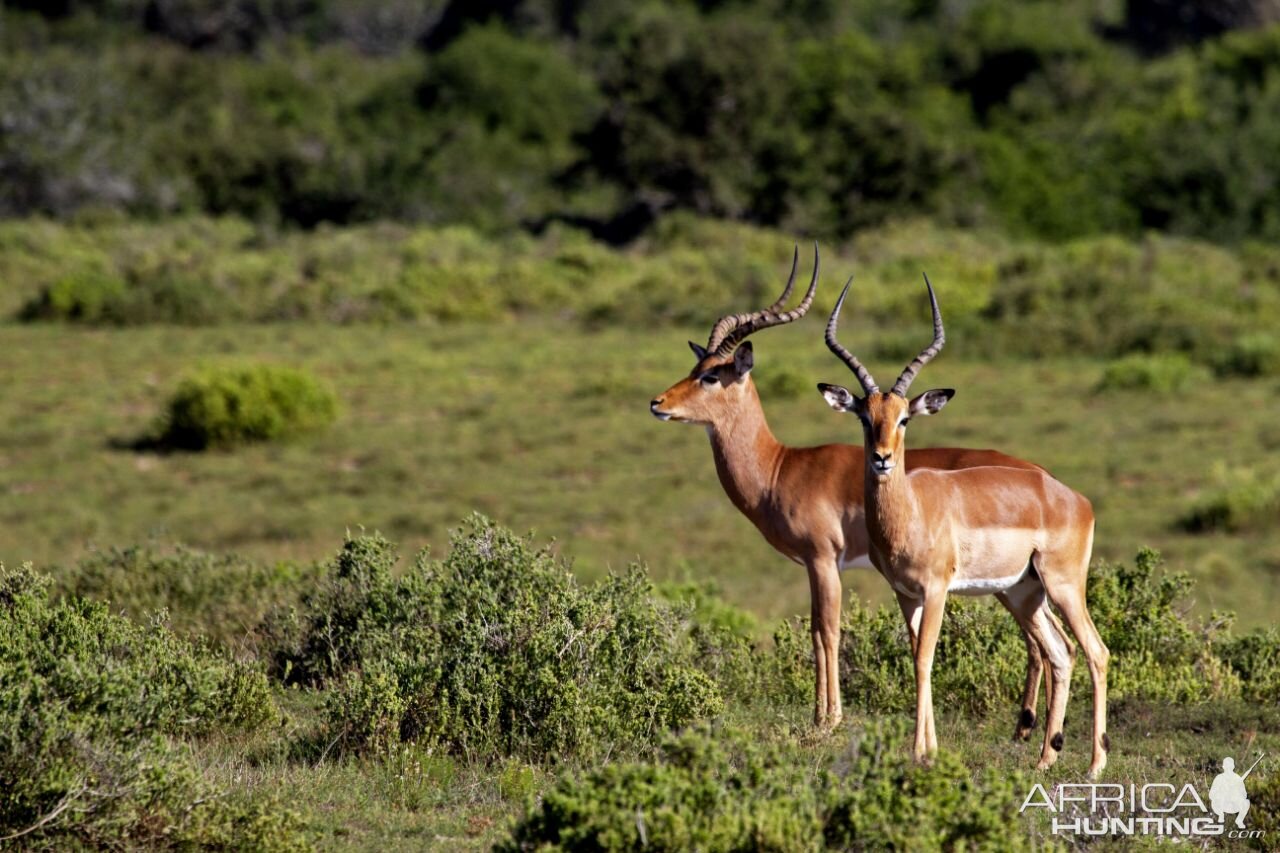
(745, 345)
(822, 386)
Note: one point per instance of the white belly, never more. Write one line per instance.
(855, 561)
(985, 586)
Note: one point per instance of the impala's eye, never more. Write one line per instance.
(708, 379)
(903, 422)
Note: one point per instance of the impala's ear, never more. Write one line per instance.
(699, 352)
(743, 358)
(839, 398)
(930, 402)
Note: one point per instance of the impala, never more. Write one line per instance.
(1015, 533)
(806, 501)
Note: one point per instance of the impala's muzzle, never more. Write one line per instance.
(882, 463)
(657, 412)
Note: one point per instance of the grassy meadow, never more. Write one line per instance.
(544, 426)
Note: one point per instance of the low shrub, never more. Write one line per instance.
(1162, 374)
(1003, 297)
(227, 406)
(87, 296)
(724, 789)
(495, 650)
(93, 710)
(1256, 354)
(1158, 652)
(222, 598)
(1242, 500)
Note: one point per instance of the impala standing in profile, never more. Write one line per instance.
(1014, 533)
(807, 501)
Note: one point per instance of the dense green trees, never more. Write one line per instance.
(1055, 119)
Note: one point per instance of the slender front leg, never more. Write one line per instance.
(825, 594)
(930, 626)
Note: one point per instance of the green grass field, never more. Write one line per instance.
(545, 427)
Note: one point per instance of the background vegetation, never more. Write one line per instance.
(276, 276)
(1055, 119)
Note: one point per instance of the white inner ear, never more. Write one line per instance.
(835, 399)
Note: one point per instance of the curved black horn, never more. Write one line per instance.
(851, 361)
(732, 330)
(926, 355)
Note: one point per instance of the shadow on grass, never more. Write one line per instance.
(159, 445)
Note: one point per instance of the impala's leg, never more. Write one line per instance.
(1035, 669)
(1069, 596)
(932, 608)
(824, 626)
(1029, 606)
(1071, 651)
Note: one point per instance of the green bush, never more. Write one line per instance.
(226, 406)
(724, 789)
(1256, 354)
(1091, 297)
(84, 296)
(495, 650)
(1162, 374)
(1242, 500)
(222, 598)
(94, 710)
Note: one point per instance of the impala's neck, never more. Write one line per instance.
(891, 509)
(747, 455)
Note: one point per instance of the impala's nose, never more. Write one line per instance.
(881, 463)
(656, 412)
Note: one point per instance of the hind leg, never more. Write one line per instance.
(1069, 597)
(1035, 670)
(1028, 604)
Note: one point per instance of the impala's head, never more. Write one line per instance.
(720, 381)
(884, 416)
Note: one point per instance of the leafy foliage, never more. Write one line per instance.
(722, 789)
(92, 710)
(1095, 296)
(1162, 374)
(1242, 500)
(818, 116)
(222, 598)
(226, 406)
(494, 651)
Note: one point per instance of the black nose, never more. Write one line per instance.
(655, 402)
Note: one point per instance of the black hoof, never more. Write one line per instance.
(1056, 742)
(1027, 719)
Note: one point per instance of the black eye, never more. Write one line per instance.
(708, 379)
(903, 422)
